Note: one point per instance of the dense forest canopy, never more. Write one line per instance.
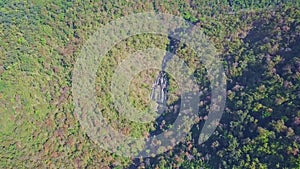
(257, 41)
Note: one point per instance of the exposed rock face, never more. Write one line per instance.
(160, 88)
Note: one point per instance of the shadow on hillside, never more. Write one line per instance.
(253, 76)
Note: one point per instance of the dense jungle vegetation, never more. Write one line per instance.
(258, 42)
